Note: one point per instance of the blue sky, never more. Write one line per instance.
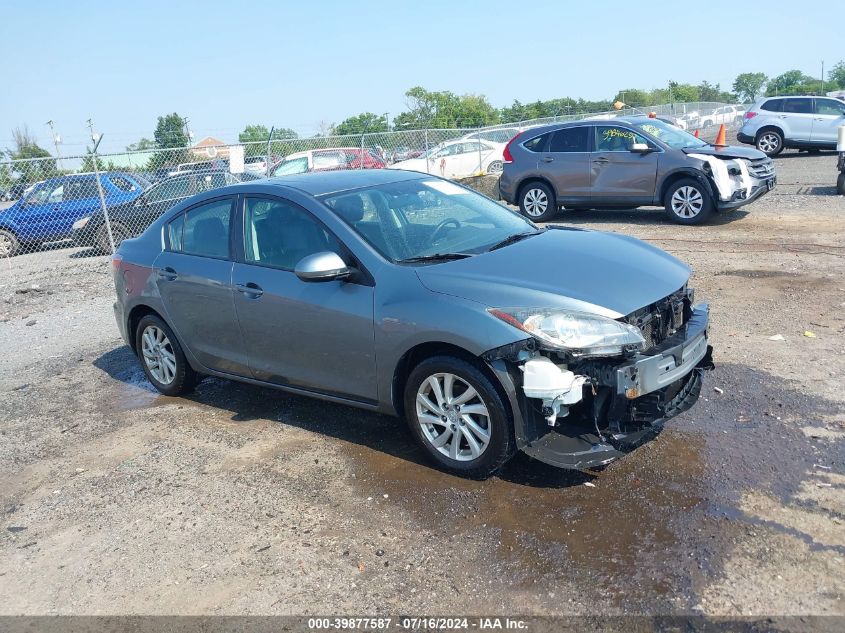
(227, 64)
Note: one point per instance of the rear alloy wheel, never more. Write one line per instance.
(458, 417)
(687, 202)
(495, 167)
(537, 202)
(9, 244)
(162, 358)
(770, 142)
(119, 233)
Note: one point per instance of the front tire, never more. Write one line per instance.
(9, 244)
(840, 184)
(687, 202)
(537, 202)
(162, 358)
(458, 417)
(770, 142)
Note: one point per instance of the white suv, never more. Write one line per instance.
(774, 123)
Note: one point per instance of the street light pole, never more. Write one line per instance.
(56, 140)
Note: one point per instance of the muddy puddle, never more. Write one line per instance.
(649, 531)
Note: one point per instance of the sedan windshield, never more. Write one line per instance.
(427, 220)
(669, 134)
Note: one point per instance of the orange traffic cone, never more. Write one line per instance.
(695, 134)
(720, 137)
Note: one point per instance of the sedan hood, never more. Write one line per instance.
(586, 271)
(731, 151)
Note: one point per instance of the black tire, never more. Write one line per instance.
(840, 184)
(537, 202)
(698, 197)
(501, 445)
(771, 139)
(101, 238)
(184, 378)
(9, 243)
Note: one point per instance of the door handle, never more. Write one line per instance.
(252, 290)
(168, 274)
(548, 159)
(601, 160)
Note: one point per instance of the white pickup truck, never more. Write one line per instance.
(726, 114)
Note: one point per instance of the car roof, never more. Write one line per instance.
(324, 182)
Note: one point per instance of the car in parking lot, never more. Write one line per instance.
(327, 159)
(456, 159)
(724, 115)
(629, 162)
(131, 218)
(776, 123)
(410, 295)
(47, 213)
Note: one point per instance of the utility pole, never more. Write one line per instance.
(188, 132)
(822, 78)
(56, 141)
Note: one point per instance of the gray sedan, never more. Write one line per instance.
(410, 295)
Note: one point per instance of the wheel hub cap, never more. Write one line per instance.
(158, 355)
(687, 202)
(536, 202)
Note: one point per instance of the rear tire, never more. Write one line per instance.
(840, 184)
(770, 142)
(537, 202)
(9, 244)
(162, 358)
(462, 423)
(101, 239)
(687, 202)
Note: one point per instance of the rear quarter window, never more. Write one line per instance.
(538, 143)
(773, 105)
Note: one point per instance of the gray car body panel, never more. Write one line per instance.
(443, 303)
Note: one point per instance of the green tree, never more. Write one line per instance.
(363, 123)
(789, 83)
(142, 145)
(748, 85)
(26, 147)
(170, 134)
(714, 92)
(255, 133)
(633, 97)
(837, 75)
(445, 109)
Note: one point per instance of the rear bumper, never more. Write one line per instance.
(744, 138)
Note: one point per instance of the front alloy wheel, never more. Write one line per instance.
(687, 202)
(458, 416)
(453, 417)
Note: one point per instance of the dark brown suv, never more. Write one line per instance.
(628, 163)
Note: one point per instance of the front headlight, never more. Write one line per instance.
(79, 224)
(578, 333)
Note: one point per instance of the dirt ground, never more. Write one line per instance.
(241, 500)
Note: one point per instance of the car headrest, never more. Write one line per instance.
(350, 208)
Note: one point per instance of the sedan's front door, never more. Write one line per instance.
(617, 174)
(194, 280)
(313, 335)
(829, 115)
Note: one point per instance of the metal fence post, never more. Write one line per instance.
(267, 153)
(361, 165)
(426, 152)
(100, 193)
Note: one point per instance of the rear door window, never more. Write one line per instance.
(798, 106)
(206, 229)
(570, 139)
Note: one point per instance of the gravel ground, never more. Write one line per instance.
(241, 500)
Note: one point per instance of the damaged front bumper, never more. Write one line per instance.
(624, 404)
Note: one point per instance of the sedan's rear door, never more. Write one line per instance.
(194, 280)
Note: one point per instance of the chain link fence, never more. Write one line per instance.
(94, 201)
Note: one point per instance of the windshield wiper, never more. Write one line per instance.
(512, 239)
(436, 257)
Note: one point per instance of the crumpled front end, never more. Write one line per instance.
(584, 412)
(737, 181)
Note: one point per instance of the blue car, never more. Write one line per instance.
(47, 213)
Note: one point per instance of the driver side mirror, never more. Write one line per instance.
(322, 266)
(641, 148)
